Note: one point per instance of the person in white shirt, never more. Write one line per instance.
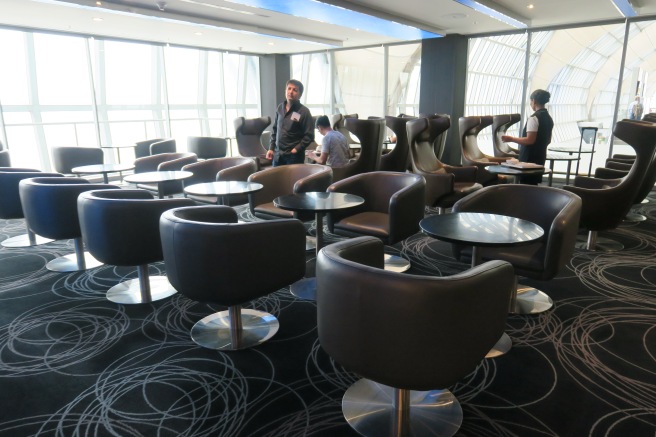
(635, 109)
(334, 147)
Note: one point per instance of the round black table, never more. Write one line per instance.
(319, 203)
(480, 229)
(157, 177)
(223, 189)
(512, 171)
(103, 169)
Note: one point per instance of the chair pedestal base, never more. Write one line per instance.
(222, 332)
(305, 288)
(370, 409)
(395, 263)
(530, 300)
(73, 263)
(24, 241)
(601, 244)
(131, 292)
(501, 347)
(310, 243)
(634, 217)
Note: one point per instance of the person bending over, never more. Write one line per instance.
(334, 147)
(292, 129)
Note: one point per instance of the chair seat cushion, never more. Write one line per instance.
(527, 260)
(375, 224)
(466, 187)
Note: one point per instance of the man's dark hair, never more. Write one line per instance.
(298, 84)
(541, 97)
(323, 121)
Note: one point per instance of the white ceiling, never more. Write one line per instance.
(233, 25)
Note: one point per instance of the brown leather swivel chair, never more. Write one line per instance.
(338, 123)
(393, 207)
(500, 125)
(64, 159)
(555, 210)
(606, 202)
(121, 228)
(237, 168)
(406, 334)
(398, 159)
(10, 203)
(445, 184)
(248, 133)
(142, 148)
(207, 147)
(164, 146)
(50, 207)
(371, 133)
(286, 179)
(221, 271)
(469, 127)
(164, 162)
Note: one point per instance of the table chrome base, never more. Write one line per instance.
(369, 408)
(214, 331)
(530, 300)
(24, 241)
(310, 243)
(305, 288)
(500, 347)
(601, 244)
(130, 292)
(69, 263)
(395, 263)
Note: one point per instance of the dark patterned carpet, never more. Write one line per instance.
(74, 364)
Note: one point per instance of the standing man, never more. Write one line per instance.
(635, 109)
(293, 129)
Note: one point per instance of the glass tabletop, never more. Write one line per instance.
(157, 176)
(481, 229)
(318, 201)
(223, 188)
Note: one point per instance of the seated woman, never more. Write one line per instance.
(334, 147)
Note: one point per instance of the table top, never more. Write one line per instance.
(555, 156)
(152, 177)
(223, 188)
(318, 201)
(119, 146)
(102, 168)
(504, 169)
(481, 229)
(570, 149)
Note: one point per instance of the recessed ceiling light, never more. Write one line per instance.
(530, 6)
(98, 3)
(457, 16)
(97, 19)
(271, 44)
(198, 33)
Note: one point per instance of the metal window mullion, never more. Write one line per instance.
(620, 79)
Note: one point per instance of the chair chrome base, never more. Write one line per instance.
(635, 217)
(395, 263)
(24, 241)
(310, 243)
(600, 244)
(369, 408)
(500, 347)
(70, 263)
(305, 288)
(530, 300)
(214, 331)
(130, 292)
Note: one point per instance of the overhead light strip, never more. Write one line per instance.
(625, 7)
(327, 13)
(493, 13)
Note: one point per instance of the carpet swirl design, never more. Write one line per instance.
(74, 364)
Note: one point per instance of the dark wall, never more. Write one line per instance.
(443, 85)
(275, 71)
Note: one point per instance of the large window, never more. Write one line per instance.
(75, 91)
